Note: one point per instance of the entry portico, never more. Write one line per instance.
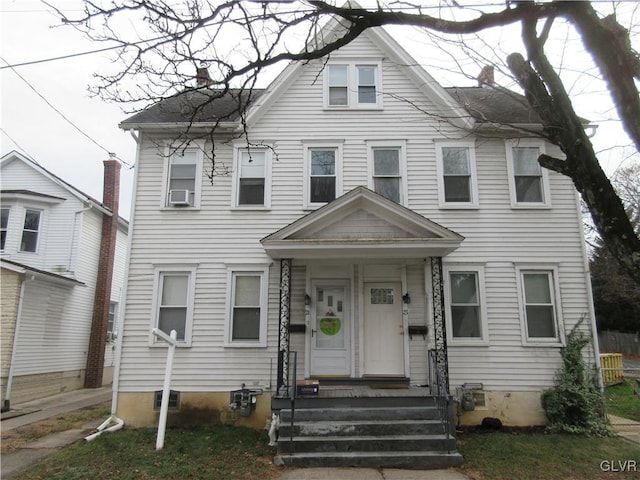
(370, 271)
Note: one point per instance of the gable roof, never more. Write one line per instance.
(80, 195)
(343, 229)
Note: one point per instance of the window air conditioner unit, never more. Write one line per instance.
(179, 198)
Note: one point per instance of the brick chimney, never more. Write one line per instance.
(99, 323)
(202, 77)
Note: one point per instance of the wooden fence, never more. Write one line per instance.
(616, 342)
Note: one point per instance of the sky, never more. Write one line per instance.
(47, 113)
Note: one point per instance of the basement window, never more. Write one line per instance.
(174, 399)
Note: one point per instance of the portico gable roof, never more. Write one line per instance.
(361, 224)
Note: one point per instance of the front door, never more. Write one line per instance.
(330, 327)
(383, 330)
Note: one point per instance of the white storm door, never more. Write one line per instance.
(383, 330)
(330, 339)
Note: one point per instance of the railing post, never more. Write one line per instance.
(285, 320)
(440, 332)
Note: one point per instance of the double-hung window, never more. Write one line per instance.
(247, 311)
(465, 299)
(31, 230)
(111, 321)
(4, 226)
(387, 168)
(457, 175)
(252, 178)
(528, 181)
(353, 85)
(174, 301)
(323, 179)
(184, 174)
(539, 305)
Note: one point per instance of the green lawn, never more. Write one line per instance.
(622, 401)
(541, 456)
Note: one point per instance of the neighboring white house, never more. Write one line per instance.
(368, 216)
(52, 235)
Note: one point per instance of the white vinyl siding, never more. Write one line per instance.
(457, 177)
(247, 306)
(528, 181)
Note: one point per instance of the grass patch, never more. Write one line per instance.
(203, 453)
(622, 401)
(540, 456)
(11, 440)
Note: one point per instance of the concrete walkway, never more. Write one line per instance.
(625, 428)
(370, 474)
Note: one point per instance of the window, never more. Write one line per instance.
(351, 85)
(4, 225)
(174, 301)
(32, 220)
(527, 179)
(387, 169)
(457, 175)
(111, 321)
(323, 167)
(466, 322)
(247, 306)
(539, 305)
(184, 175)
(253, 174)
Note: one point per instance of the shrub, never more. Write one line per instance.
(576, 403)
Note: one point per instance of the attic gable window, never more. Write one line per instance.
(353, 85)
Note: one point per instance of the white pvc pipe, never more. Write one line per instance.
(102, 428)
(164, 406)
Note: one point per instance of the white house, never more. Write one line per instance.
(63, 263)
(367, 218)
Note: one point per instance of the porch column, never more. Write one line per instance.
(440, 331)
(285, 321)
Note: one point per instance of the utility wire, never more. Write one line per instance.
(15, 143)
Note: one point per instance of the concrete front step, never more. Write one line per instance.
(362, 427)
(367, 443)
(365, 413)
(353, 402)
(404, 460)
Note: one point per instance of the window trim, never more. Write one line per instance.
(474, 202)
(261, 270)
(159, 271)
(308, 147)
(170, 150)
(544, 174)
(112, 317)
(552, 272)
(483, 340)
(39, 231)
(6, 229)
(237, 157)
(353, 84)
(401, 146)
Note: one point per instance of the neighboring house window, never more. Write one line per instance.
(387, 170)
(457, 175)
(183, 178)
(247, 293)
(528, 181)
(4, 224)
(174, 301)
(467, 318)
(111, 321)
(30, 233)
(323, 179)
(538, 293)
(352, 85)
(253, 178)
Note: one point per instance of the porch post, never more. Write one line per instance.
(285, 320)
(440, 331)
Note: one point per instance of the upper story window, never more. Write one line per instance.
(387, 168)
(183, 178)
(31, 230)
(467, 318)
(111, 321)
(323, 174)
(528, 181)
(253, 178)
(457, 179)
(353, 85)
(4, 225)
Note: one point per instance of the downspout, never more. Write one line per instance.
(113, 418)
(7, 394)
(76, 232)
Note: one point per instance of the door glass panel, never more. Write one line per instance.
(382, 296)
(330, 327)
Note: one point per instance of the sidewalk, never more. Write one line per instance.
(37, 410)
(625, 428)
